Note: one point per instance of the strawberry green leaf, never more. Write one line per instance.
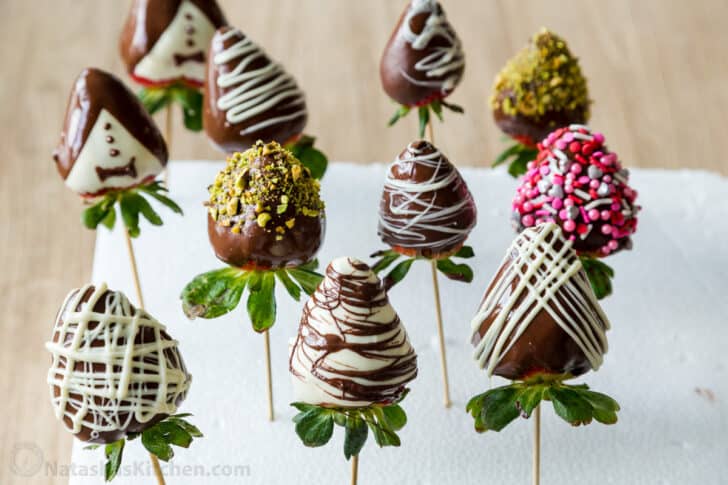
(109, 221)
(424, 116)
(215, 293)
(130, 213)
(262, 301)
(154, 441)
(386, 258)
(158, 191)
(114, 453)
(394, 416)
(94, 215)
(191, 102)
(519, 165)
(191, 429)
(600, 276)
(355, 435)
(457, 272)
(310, 157)
(307, 278)
(509, 152)
(570, 405)
(452, 107)
(154, 99)
(436, 107)
(528, 398)
(291, 287)
(401, 112)
(399, 272)
(465, 252)
(315, 426)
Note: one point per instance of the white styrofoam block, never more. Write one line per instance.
(668, 341)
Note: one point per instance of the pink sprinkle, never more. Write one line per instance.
(560, 144)
(584, 214)
(569, 225)
(557, 203)
(542, 212)
(606, 215)
(528, 207)
(605, 250)
(545, 170)
(594, 214)
(568, 189)
(613, 245)
(594, 184)
(563, 214)
(568, 136)
(615, 206)
(607, 178)
(583, 180)
(558, 180)
(606, 229)
(568, 203)
(527, 220)
(576, 168)
(598, 137)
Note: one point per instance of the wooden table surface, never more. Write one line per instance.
(656, 69)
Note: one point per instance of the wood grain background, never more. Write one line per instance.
(657, 73)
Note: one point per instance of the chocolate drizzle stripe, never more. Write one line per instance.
(128, 170)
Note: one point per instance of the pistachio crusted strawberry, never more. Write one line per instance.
(540, 89)
(265, 209)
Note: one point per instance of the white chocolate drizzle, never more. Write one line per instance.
(413, 206)
(443, 59)
(102, 378)
(541, 273)
(258, 90)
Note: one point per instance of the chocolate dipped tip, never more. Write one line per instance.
(539, 314)
(248, 96)
(578, 183)
(351, 350)
(426, 208)
(166, 41)
(424, 59)
(265, 210)
(540, 89)
(108, 141)
(114, 369)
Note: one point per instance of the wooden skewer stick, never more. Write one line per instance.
(438, 309)
(537, 445)
(269, 376)
(354, 469)
(441, 336)
(140, 300)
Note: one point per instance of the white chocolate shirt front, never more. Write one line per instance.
(109, 146)
(188, 34)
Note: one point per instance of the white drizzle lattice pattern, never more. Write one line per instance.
(534, 254)
(257, 90)
(117, 380)
(411, 213)
(443, 59)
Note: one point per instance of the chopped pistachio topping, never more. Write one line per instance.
(266, 184)
(543, 77)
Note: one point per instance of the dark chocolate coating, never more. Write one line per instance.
(144, 336)
(93, 91)
(147, 21)
(229, 137)
(257, 246)
(434, 238)
(529, 130)
(398, 69)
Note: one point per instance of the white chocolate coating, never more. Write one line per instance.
(351, 350)
(189, 24)
(85, 177)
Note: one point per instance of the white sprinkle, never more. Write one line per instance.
(591, 205)
(582, 194)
